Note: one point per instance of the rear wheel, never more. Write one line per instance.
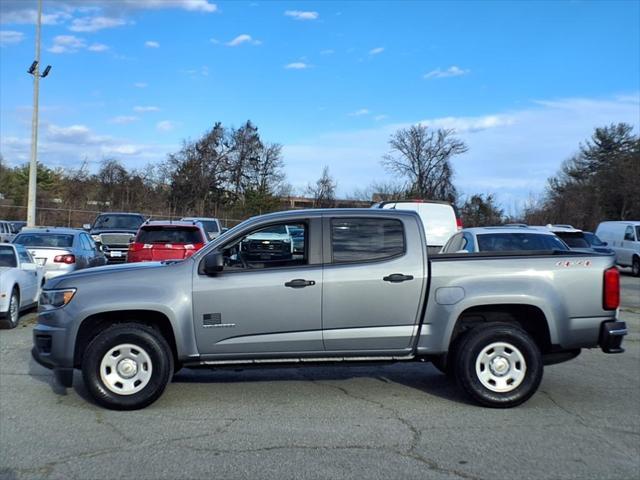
(127, 366)
(635, 268)
(498, 365)
(13, 312)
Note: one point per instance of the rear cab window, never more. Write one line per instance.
(366, 239)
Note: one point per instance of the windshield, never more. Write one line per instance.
(7, 257)
(118, 222)
(497, 242)
(162, 234)
(210, 227)
(574, 240)
(44, 240)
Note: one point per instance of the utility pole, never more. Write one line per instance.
(33, 164)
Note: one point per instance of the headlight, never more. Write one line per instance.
(96, 238)
(57, 298)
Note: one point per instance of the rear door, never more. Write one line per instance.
(373, 283)
(629, 246)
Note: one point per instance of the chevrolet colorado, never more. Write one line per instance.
(364, 289)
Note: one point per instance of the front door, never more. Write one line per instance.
(266, 301)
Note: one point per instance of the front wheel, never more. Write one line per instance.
(127, 366)
(13, 312)
(498, 365)
(635, 268)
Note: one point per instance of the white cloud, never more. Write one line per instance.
(151, 44)
(145, 109)
(93, 24)
(141, 85)
(300, 15)
(296, 66)
(17, 14)
(74, 134)
(511, 153)
(379, 118)
(189, 5)
(452, 71)
(8, 37)
(359, 113)
(67, 44)
(165, 126)
(98, 47)
(124, 119)
(376, 51)
(241, 39)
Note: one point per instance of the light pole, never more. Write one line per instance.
(33, 164)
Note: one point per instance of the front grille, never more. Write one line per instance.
(267, 246)
(115, 239)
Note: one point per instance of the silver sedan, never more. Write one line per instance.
(61, 250)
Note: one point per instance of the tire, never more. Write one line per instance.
(635, 267)
(127, 366)
(498, 365)
(13, 312)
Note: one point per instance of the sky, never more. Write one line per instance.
(522, 83)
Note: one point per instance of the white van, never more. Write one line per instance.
(623, 238)
(440, 219)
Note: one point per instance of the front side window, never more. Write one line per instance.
(628, 234)
(366, 239)
(25, 257)
(638, 232)
(267, 247)
(454, 244)
(7, 257)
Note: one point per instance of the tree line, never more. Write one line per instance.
(235, 173)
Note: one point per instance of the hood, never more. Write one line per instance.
(98, 231)
(107, 270)
(269, 236)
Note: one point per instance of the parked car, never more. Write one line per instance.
(440, 219)
(596, 244)
(273, 243)
(165, 240)
(211, 226)
(114, 232)
(20, 283)
(60, 250)
(503, 239)
(365, 289)
(6, 231)
(297, 237)
(624, 239)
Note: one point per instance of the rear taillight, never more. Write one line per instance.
(136, 246)
(68, 259)
(611, 293)
(459, 223)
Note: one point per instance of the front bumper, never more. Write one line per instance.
(116, 254)
(53, 348)
(611, 335)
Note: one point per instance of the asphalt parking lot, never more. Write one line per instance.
(400, 421)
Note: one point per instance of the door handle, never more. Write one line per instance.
(397, 278)
(299, 283)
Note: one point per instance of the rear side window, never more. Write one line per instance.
(504, 242)
(44, 240)
(188, 235)
(365, 239)
(628, 234)
(574, 240)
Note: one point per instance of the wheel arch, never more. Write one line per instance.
(94, 324)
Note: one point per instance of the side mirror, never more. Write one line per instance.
(213, 263)
(604, 244)
(224, 229)
(86, 226)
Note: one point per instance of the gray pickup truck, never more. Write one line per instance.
(363, 289)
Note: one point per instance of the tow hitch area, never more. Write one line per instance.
(611, 334)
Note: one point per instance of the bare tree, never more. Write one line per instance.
(323, 191)
(422, 156)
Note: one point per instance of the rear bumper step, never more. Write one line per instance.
(611, 335)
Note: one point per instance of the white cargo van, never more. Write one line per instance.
(440, 219)
(623, 237)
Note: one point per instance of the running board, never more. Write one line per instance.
(263, 361)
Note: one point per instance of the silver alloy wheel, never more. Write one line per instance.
(501, 367)
(14, 308)
(126, 369)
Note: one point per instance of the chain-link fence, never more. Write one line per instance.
(68, 217)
